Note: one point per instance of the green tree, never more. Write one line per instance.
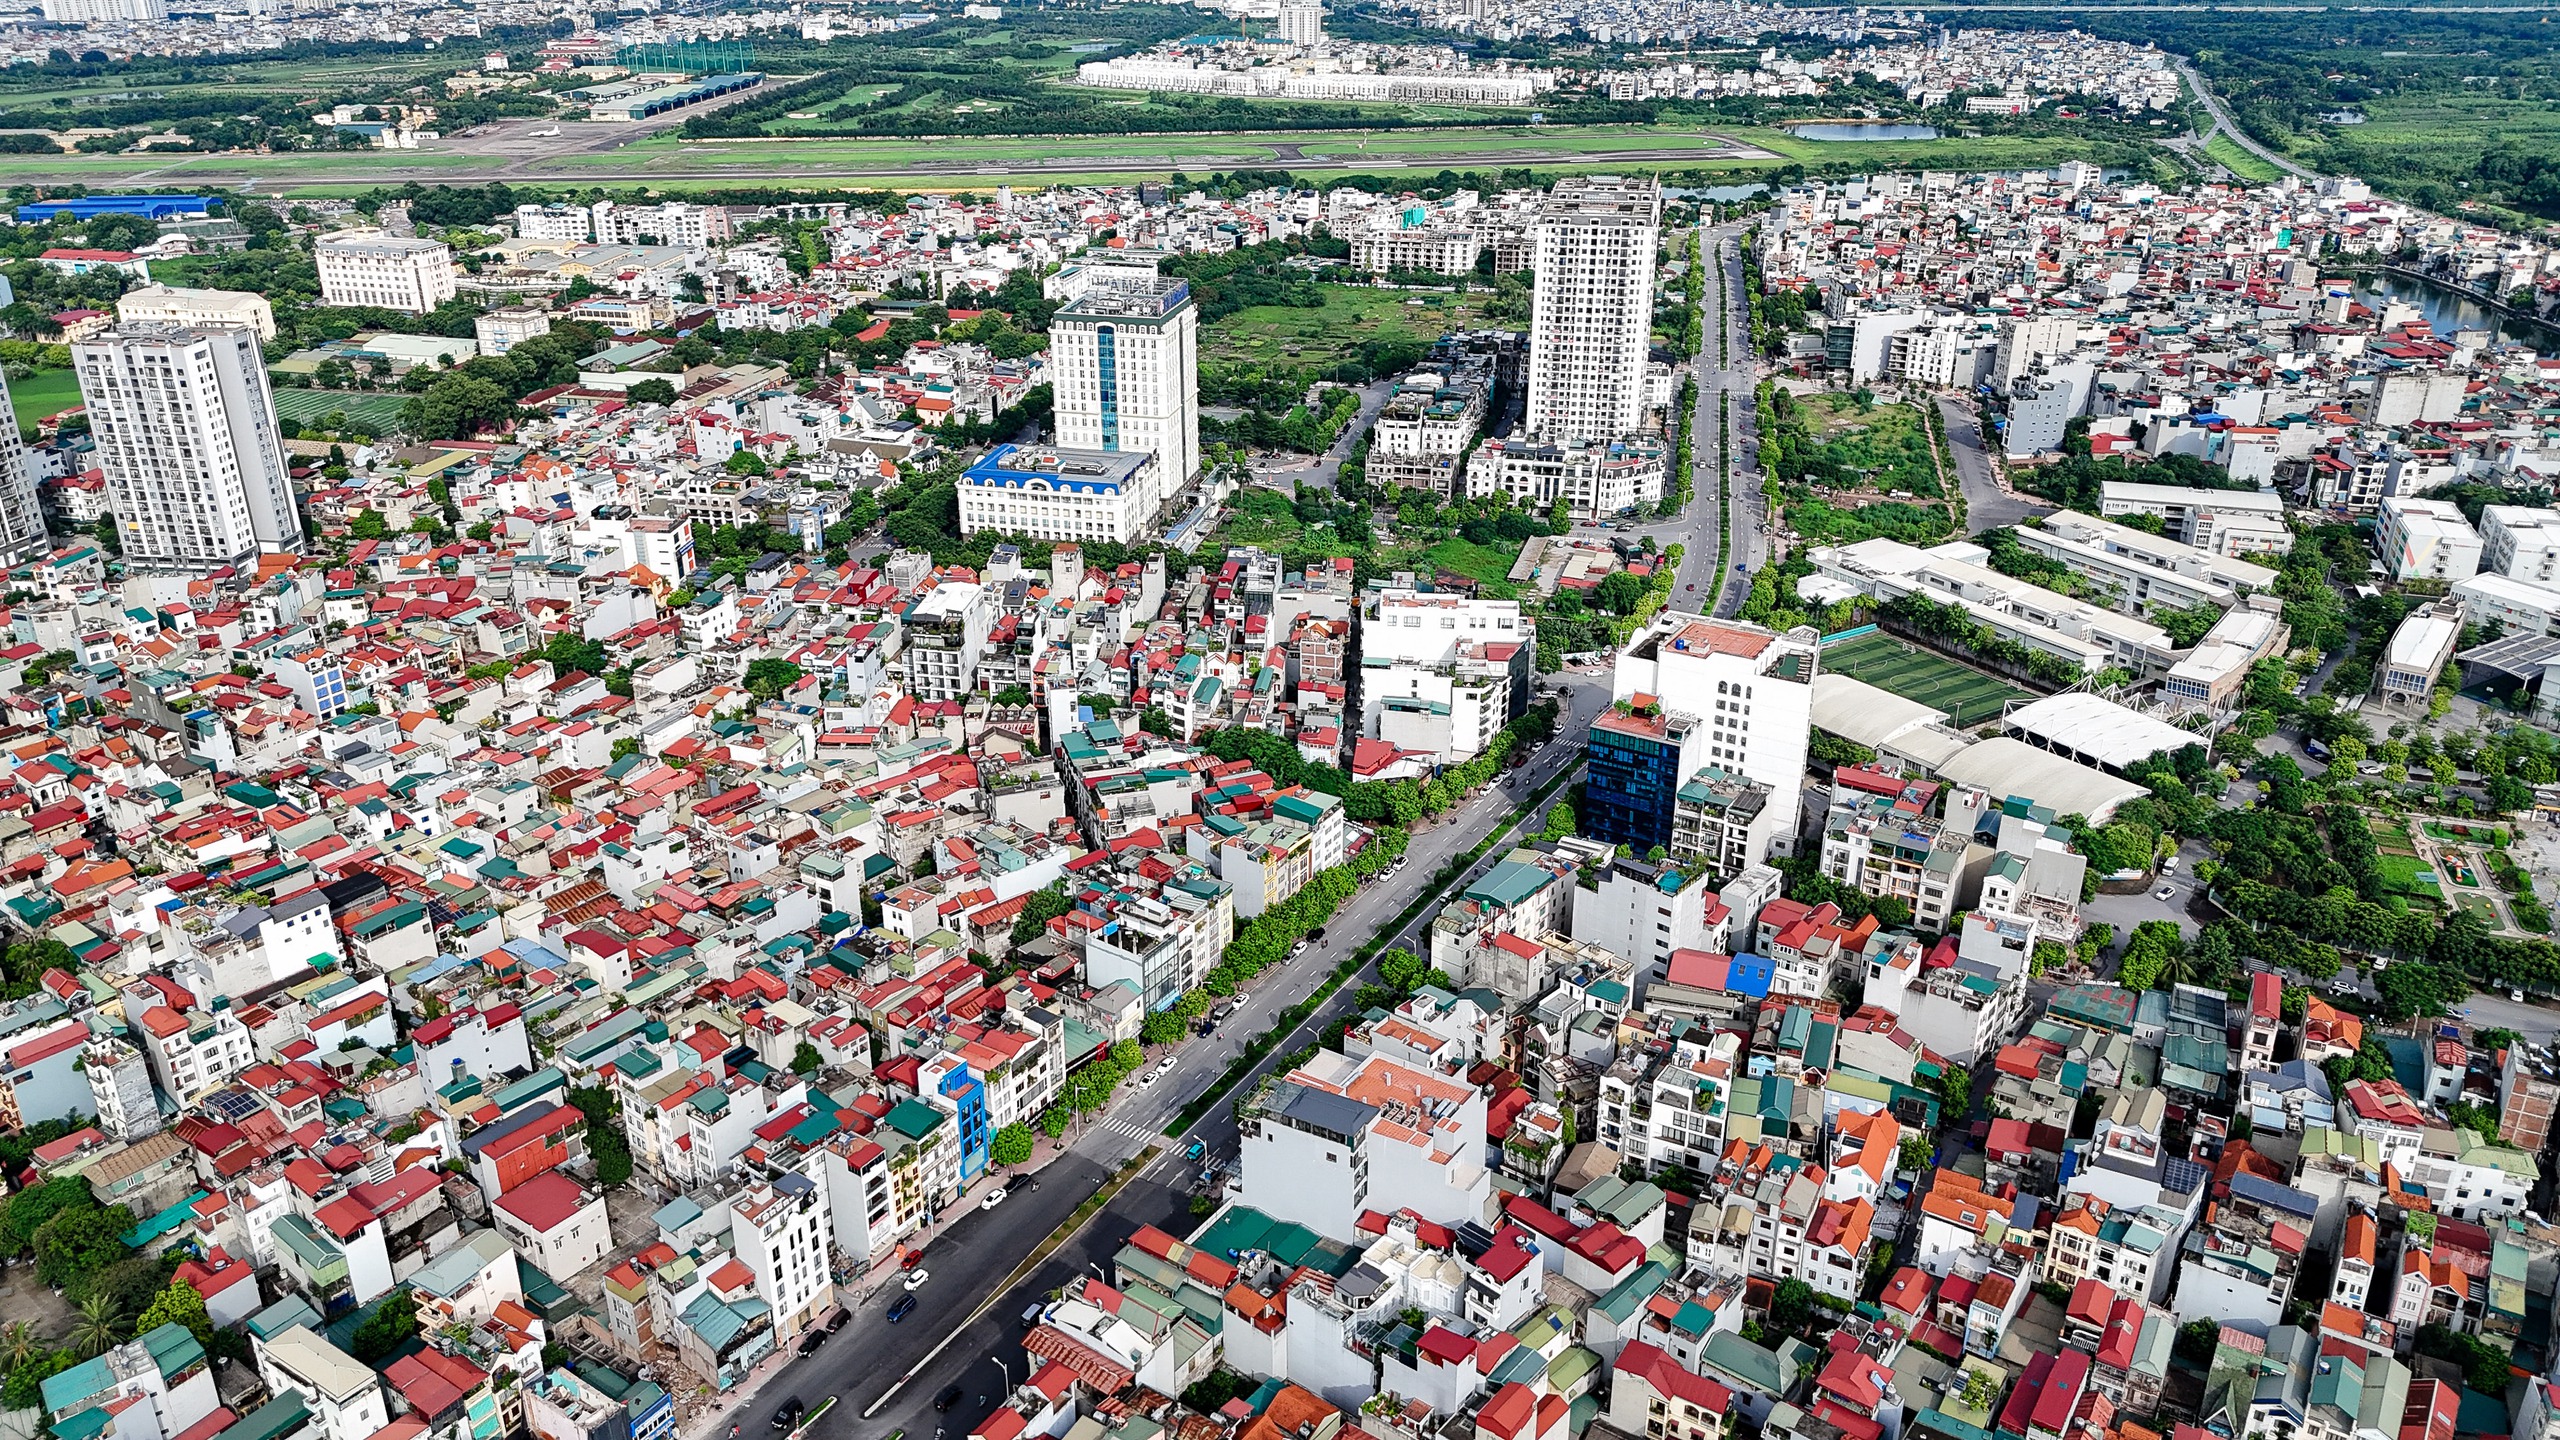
(652, 392)
(770, 676)
(1401, 970)
(1791, 1308)
(392, 1324)
(77, 1242)
(179, 1304)
(368, 525)
(97, 1326)
(1011, 1146)
(1620, 593)
(806, 1060)
(31, 1208)
(24, 1388)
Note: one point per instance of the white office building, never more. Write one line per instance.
(1124, 362)
(1591, 321)
(2221, 522)
(377, 268)
(1055, 494)
(186, 434)
(1752, 688)
(2521, 543)
(22, 533)
(180, 305)
(2426, 540)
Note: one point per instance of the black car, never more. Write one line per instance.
(836, 1321)
(949, 1397)
(905, 1307)
(810, 1342)
(789, 1414)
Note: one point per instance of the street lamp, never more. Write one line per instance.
(998, 1362)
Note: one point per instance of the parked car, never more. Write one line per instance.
(949, 1397)
(2165, 892)
(917, 1277)
(837, 1321)
(810, 1342)
(994, 1199)
(905, 1307)
(788, 1413)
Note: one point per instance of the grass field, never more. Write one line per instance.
(1352, 315)
(1488, 565)
(1890, 443)
(2396, 855)
(46, 392)
(2225, 151)
(381, 412)
(1904, 669)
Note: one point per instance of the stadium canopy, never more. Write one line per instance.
(2094, 731)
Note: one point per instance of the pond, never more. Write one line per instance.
(2448, 310)
(1717, 194)
(1864, 132)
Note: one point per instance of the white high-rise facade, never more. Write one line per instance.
(1124, 364)
(1301, 22)
(1591, 321)
(392, 272)
(22, 534)
(186, 433)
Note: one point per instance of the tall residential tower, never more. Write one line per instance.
(1591, 321)
(186, 433)
(22, 534)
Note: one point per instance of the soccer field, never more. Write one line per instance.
(1904, 669)
(378, 411)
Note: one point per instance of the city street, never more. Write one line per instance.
(1986, 505)
(1700, 586)
(944, 1342)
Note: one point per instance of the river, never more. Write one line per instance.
(2448, 310)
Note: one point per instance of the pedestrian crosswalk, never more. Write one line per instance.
(1118, 1126)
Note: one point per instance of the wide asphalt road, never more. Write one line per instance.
(950, 1340)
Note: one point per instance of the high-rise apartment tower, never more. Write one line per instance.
(186, 433)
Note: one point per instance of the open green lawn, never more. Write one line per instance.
(1351, 316)
(1901, 668)
(2396, 855)
(2225, 151)
(46, 392)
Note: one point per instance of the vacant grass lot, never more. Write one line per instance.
(1901, 668)
(1888, 443)
(1351, 316)
(46, 392)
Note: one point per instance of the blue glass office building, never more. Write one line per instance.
(1638, 760)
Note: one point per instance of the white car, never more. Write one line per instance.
(1165, 1067)
(994, 1199)
(1149, 1078)
(2166, 892)
(2342, 987)
(916, 1278)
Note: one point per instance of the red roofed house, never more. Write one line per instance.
(554, 1224)
(1650, 1395)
